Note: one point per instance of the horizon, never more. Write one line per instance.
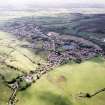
(27, 4)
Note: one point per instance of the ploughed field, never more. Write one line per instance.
(46, 66)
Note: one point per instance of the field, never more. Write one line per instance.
(62, 86)
(14, 60)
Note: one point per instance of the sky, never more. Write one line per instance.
(24, 3)
(50, 1)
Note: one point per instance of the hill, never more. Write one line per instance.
(52, 60)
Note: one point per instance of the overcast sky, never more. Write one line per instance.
(16, 3)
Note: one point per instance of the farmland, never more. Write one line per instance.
(52, 59)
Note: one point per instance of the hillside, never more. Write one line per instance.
(88, 26)
(52, 60)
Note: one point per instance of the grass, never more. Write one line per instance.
(50, 89)
(4, 93)
(58, 87)
(9, 43)
(17, 59)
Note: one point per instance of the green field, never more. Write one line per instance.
(59, 87)
(55, 90)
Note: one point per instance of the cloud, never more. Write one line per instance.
(24, 3)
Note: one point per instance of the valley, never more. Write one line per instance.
(52, 59)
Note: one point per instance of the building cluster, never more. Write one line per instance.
(61, 52)
(23, 29)
(61, 49)
(72, 49)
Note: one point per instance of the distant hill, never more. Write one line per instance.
(88, 26)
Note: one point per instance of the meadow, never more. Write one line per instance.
(62, 86)
(58, 87)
